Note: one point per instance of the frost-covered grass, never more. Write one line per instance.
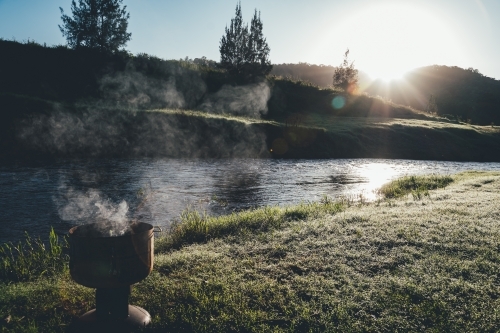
(418, 186)
(407, 264)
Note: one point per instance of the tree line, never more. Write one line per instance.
(244, 52)
(103, 24)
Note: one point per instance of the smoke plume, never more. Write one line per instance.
(119, 124)
(250, 100)
(92, 207)
(134, 90)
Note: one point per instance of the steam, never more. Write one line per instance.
(134, 90)
(89, 132)
(250, 100)
(114, 127)
(92, 207)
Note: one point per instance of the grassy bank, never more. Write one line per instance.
(83, 131)
(329, 136)
(57, 102)
(411, 264)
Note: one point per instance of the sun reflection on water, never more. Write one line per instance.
(375, 175)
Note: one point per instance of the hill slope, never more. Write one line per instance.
(67, 103)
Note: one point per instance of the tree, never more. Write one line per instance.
(345, 76)
(233, 45)
(258, 50)
(244, 53)
(96, 24)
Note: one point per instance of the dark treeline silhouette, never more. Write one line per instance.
(456, 93)
(244, 51)
(65, 75)
(54, 73)
(319, 75)
(453, 92)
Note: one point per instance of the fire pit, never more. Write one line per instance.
(111, 261)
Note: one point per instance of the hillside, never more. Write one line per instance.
(319, 75)
(56, 102)
(56, 130)
(460, 94)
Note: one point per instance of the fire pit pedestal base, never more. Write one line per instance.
(112, 313)
(90, 322)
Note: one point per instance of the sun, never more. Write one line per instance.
(387, 40)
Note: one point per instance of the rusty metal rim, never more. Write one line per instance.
(150, 228)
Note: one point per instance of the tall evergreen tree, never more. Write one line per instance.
(233, 46)
(245, 53)
(258, 49)
(96, 24)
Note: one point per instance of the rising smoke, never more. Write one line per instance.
(250, 100)
(116, 126)
(134, 90)
(119, 125)
(82, 207)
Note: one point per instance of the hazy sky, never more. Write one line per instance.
(386, 38)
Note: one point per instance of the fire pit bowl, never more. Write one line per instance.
(111, 261)
(98, 260)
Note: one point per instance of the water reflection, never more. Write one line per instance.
(158, 190)
(374, 175)
(236, 185)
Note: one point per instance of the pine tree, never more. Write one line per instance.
(258, 50)
(96, 24)
(345, 76)
(233, 46)
(245, 53)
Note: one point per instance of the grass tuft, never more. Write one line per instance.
(418, 186)
(194, 227)
(32, 259)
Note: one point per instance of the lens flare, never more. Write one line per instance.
(338, 102)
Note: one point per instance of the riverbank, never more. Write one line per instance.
(56, 102)
(98, 132)
(426, 261)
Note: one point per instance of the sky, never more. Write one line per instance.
(386, 38)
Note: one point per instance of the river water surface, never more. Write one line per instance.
(68, 193)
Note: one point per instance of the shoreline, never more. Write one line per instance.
(194, 134)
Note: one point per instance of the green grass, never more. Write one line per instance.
(33, 259)
(194, 227)
(395, 265)
(416, 185)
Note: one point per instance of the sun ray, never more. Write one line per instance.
(386, 40)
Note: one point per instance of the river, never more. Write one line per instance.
(66, 193)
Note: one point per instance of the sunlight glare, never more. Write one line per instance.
(390, 39)
(376, 175)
